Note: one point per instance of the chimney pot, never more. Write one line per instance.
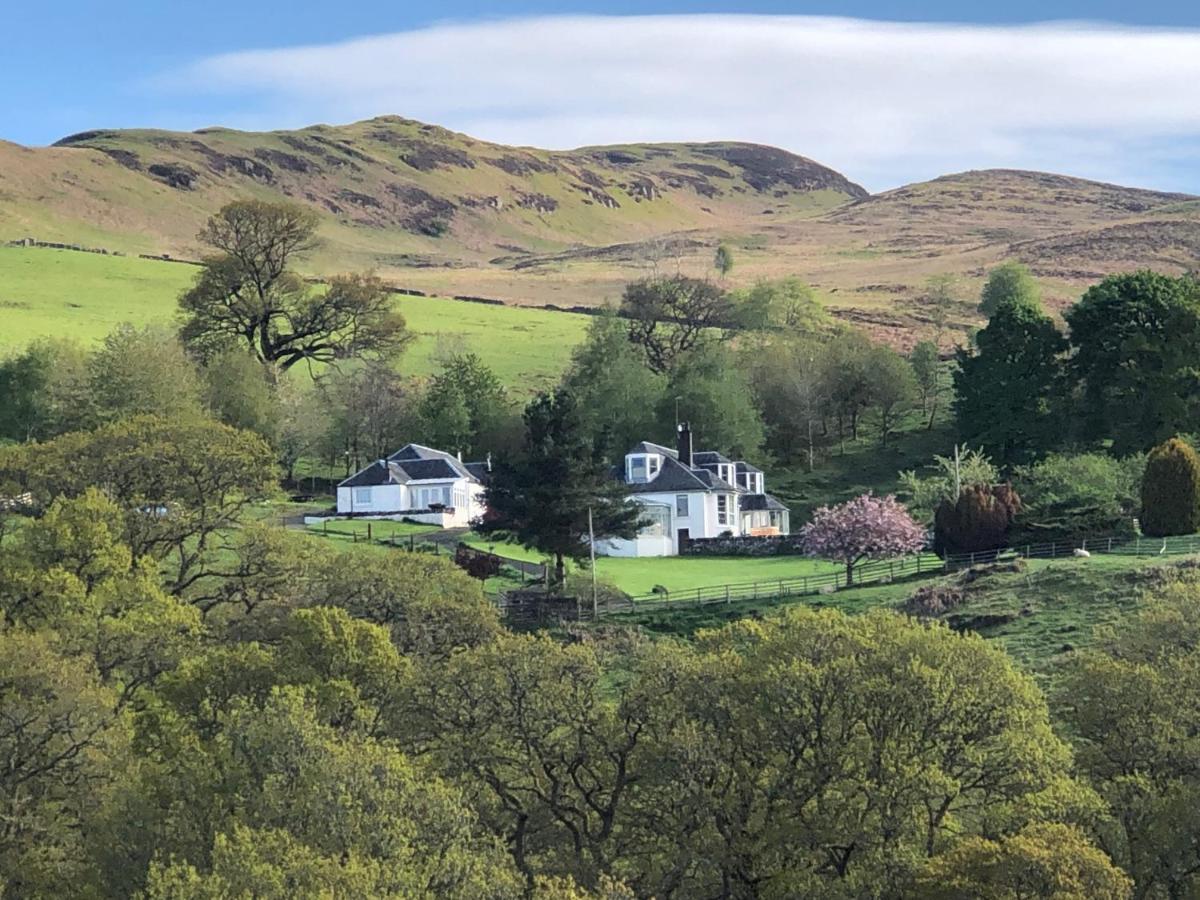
(683, 444)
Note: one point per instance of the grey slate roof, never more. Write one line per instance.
(709, 458)
(756, 502)
(650, 447)
(378, 472)
(411, 462)
(479, 471)
(746, 467)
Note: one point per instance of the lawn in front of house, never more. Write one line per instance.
(379, 529)
(678, 574)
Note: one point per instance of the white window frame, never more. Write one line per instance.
(362, 496)
(652, 466)
(681, 506)
(636, 462)
(722, 509)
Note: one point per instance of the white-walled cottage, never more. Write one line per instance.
(417, 483)
(687, 495)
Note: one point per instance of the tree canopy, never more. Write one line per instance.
(542, 500)
(248, 293)
(1136, 341)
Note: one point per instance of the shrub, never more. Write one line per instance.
(1171, 490)
(1072, 497)
(978, 520)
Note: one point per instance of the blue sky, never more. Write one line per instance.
(884, 103)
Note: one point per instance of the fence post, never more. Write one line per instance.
(368, 532)
(697, 596)
(918, 563)
(324, 526)
(1053, 550)
(780, 587)
(1083, 545)
(726, 594)
(972, 557)
(1138, 549)
(805, 587)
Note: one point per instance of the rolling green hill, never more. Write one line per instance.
(84, 295)
(444, 213)
(394, 193)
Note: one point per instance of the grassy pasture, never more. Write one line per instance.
(84, 295)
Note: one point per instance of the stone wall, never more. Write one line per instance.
(783, 545)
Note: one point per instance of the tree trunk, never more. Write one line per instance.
(560, 570)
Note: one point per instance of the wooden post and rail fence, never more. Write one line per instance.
(871, 572)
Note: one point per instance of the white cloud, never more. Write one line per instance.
(885, 103)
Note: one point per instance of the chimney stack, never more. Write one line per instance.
(684, 443)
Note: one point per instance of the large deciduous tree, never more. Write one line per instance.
(616, 392)
(866, 527)
(1046, 859)
(667, 317)
(1137, 356)
(182, 485)
(248, 293)
(543, 499)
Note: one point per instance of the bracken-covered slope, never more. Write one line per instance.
(441, 212)
(395, 193)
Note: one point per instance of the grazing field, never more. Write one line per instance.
(69, 294)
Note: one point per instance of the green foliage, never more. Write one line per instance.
(616, 392)
(1137, 352)
(925, 359)
(316, 795)
(239, 391)
(723, 260)
(248, 293)
(787, 304)
(1171, 490)
(1006, 390)
(893, 388)
(464, 407)
(180, 484)
(1071, 496)
(142, 371)
(944, 480)
(542, 500)
(1009, 284)
(668, 317)
(1046, 860)
(63, 742)
(715, 397)
(367, 411)
(1133, 704)
(913, 720)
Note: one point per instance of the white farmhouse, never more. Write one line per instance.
(417, 483)
(687, 495)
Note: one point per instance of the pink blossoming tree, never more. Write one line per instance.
(866, 527)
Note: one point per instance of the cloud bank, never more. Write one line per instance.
(884, 103)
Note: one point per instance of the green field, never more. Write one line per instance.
(678, 574)
(84, 295)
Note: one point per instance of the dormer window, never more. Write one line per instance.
(642, 467)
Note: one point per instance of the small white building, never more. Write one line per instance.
(687, 495)
(417, 483)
